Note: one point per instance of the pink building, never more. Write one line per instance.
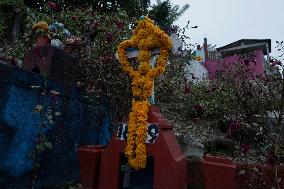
(249, 52)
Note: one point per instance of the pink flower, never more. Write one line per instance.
(96, 24)
(53, 6)
(245, 148)
(109, 36)
(233, 126)
(79, 84)
(74, 18)
(3, 58)
(186, 88)
(119, 24)
(199, 109)
(274, 63)
(90, 89)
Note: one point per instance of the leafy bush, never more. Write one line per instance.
(246, 109)
(100, 33)
(7, 9)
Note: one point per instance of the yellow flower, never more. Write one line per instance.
(199, 58)
(40, 25)
(144, 56)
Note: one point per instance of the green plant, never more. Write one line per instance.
(135, 8)
(7, 9)
(165, 13)
(11, 3)
(47, 116)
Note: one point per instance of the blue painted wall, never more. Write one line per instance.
(80, 123)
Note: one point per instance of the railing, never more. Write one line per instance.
(213, 55)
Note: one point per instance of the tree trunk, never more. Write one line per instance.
(15, 28)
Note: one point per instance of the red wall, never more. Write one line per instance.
(222, 173)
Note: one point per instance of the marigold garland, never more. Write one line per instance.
(146, 37)
(40, 28)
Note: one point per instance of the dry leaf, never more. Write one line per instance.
(38, 108)
(55, 92)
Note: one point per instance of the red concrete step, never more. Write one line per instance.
(90, 160)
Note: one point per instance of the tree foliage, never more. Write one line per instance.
(165, 13)
(134, 8)
(8, 8)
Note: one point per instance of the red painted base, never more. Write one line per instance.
(100, 168)
(42, 41)
(90, 158)
(218, 172)
(222, 173)
(170, 170)
(258, 176)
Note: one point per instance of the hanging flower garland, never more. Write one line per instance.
(146, 37)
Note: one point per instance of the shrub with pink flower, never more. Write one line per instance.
(53, 6)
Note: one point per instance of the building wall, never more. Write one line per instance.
(228, 63)
(195, 72)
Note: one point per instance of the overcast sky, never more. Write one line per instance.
(226, 21)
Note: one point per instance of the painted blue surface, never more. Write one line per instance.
(80, 123)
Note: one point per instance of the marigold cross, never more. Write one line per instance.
(133, 54)
(146, 37)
